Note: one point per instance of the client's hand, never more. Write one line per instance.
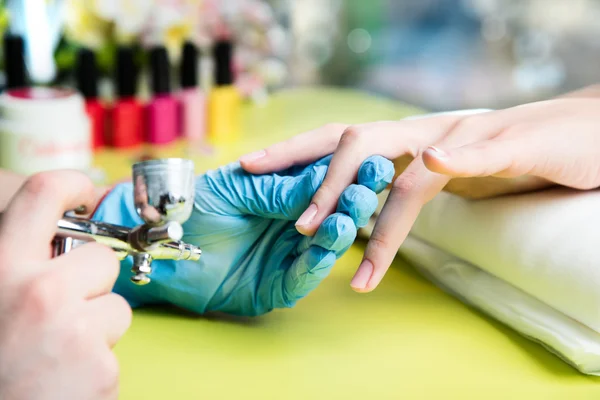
(254, 259)
(550, 142)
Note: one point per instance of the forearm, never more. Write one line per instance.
(10, 184)
(592, 91)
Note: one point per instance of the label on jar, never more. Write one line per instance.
(28, 154)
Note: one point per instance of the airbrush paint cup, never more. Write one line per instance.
(164, 190)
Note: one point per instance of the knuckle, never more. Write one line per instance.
(326, 193)
(377, 244)
(378, 241)
(41, 184)
(352, 135)
(514, 131)
(405, 183)
(40, 299)
(470, 122)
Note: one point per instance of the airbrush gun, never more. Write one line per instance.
(164, 199)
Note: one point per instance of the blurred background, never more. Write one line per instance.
(438, 54)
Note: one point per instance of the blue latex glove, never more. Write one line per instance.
(253, 259)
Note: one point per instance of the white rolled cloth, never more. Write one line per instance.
(529, 260)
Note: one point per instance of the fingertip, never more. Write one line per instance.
(264, 162)
(358, 202)
(376, 173)
(361, 278)
(308, 271)
(316, 259)
(253, 167)
(336, 233)
(436, 159)
(306, 231)
(254, 157)
(361, 290)
(307, 221)
(320, 261)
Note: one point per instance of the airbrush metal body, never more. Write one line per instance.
(164, 198)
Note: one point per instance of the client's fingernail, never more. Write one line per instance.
(253, 156)
(362, 276)
(437, 152)
(308, 215)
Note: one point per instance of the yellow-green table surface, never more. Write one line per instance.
(406, 340)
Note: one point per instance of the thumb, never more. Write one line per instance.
(502, 158)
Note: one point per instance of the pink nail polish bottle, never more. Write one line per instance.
(163, 107)
(193, 100)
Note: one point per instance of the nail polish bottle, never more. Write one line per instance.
(224, 101)
(87, 84)
(163, 107)
(14, 62)
(127, 125)
(191, 97)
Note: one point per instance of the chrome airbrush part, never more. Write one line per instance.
(164, 199)
(164, 190)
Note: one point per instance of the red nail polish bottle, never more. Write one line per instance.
(163, 107)
(87, 84)
(127, 126)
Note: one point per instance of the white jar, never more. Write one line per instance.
(44, 129)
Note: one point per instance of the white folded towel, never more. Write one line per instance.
(545, 244)
(530, 261)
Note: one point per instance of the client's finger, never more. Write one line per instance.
(389, 139)
(410, 191)
(305, 274)
(343, 169)
(504, 158)
(298, 150)
(336, 233)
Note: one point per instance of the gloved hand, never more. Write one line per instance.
(253, 258)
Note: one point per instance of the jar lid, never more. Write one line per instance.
(41, 103)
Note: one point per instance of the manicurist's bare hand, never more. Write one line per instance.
(58, 318)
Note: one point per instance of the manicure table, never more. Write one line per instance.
(405, 340)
